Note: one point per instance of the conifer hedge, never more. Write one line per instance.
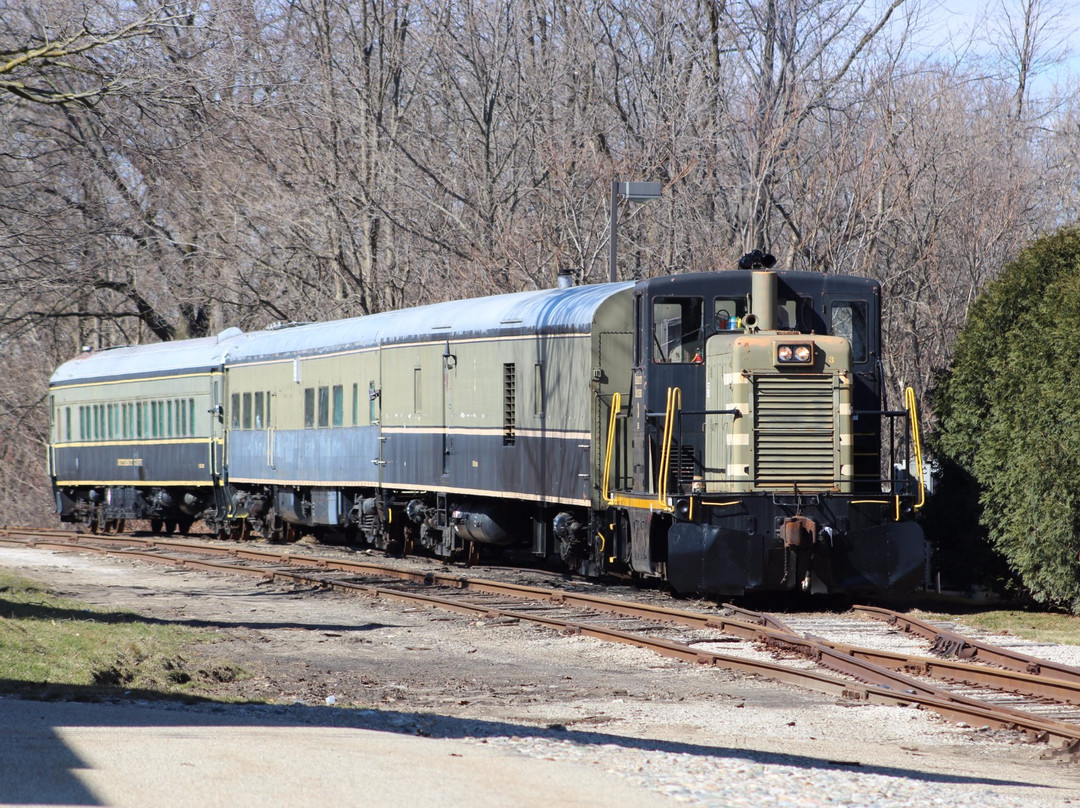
(1009, 415)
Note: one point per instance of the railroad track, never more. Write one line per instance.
(981, 685)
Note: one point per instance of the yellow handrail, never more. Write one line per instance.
(631, 500)
(913, 415)
(616, 406)
(674, 401)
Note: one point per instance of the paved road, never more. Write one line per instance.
(63, 753)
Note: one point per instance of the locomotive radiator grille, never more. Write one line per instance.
(794, 431)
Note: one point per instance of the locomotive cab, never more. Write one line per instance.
(756, 414)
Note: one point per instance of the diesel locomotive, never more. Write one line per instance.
(726, 432)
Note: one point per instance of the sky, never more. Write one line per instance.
(969, 27)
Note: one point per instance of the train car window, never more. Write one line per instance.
(338, 401)
(169, 418)
(114, 421)
(538, 389)
(850, 321)
(191, 414)
(324, 406)
(97, 422)
(234, 411)
(677, 329)
(309, 408)
(246, 422)
(138, 420)
(355, 404)
(155, 420)
(418, 391)
(267, 409)
(183, 418)
(259, 410)
(67, 423)
(371, 395)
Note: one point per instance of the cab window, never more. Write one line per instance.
(728, 314)
(850, 320)
(677, 329)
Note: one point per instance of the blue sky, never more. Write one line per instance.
(971, 26)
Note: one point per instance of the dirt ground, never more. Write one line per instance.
(322, 648)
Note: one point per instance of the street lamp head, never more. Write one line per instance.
(633, 192)
(640, 191)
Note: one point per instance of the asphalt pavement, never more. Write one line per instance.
(150, 754)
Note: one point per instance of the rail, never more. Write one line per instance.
(879, 676)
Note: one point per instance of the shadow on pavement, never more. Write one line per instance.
(39, 767)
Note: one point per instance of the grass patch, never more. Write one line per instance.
(1038, 626)
(56, 645)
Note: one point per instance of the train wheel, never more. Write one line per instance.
(120, 525)
(170, 528)
(155, 526)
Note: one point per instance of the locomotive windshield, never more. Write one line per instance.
(680, 325)
(849, 320)
(678, 329)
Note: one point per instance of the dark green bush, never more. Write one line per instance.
(1009, 415)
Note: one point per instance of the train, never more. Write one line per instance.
(722, 433)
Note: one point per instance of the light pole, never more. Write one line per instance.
(634, 192)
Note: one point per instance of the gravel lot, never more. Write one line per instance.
(697, 736)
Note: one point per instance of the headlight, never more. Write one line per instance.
(794, 353)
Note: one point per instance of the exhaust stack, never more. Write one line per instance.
(762, 316)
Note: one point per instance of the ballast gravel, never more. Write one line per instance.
(688, 735)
